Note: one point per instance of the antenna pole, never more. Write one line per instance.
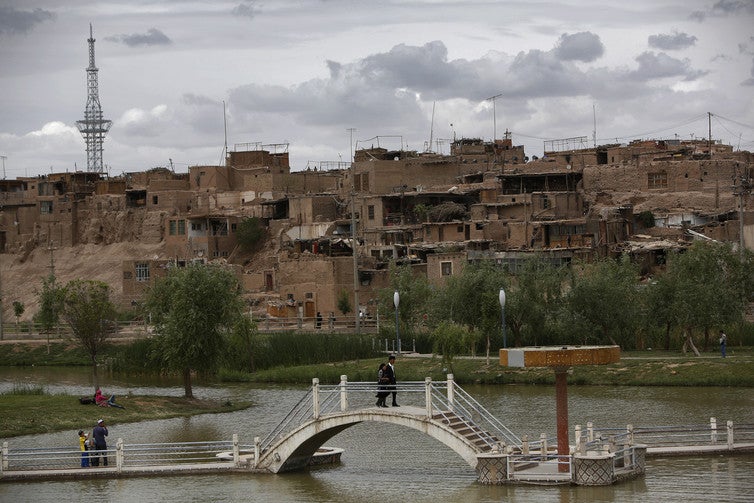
(494, 116)
(594, 131)
(431, 127)
(225, 129)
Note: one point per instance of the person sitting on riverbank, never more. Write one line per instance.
(100, 400)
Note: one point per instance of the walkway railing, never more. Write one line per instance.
(711, 434)
(121, 456)
(444, 401)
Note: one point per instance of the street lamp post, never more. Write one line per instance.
(501, 297)
(396, 301)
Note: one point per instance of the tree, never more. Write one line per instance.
(193, 311)
(18, 310)
(448, 340)
(604, 296)
(415, 294)
(87, 309)
(50, 304)
(711, 286)
(533, 301)
(344, 303)
(472, 299)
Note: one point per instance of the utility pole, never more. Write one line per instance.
(52, 278)
(741, 187)
(354, 244)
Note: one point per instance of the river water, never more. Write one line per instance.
(388, 463)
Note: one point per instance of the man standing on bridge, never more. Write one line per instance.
(390, 374)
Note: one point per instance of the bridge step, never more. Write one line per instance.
(471, 432)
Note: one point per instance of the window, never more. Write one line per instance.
(142, 271)
(173, 226)
(181, 227)
(459, 228)
(545, 202)
(45, 207)
(370, 211)
(154, 199)
(446, 268)
(657, 180)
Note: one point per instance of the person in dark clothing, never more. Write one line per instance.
(100, 443)
(382, 381)
(390, 374)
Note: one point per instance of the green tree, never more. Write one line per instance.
(193, 311)
(50, 304)
(448, 340)
(711, 286)
(251, 233)
(472, 299)
(533, 301)
(604, 299)
(87, 309)
(344, 302)
(18, 310)
(415, 294)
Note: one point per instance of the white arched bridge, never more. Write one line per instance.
(444, 411)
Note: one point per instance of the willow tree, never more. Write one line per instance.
(193, 310)
(712, 285)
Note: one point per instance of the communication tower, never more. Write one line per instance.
(93, 127)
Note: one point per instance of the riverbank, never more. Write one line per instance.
(636, 368)
(34, 412)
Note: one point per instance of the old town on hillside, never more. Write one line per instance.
(483, 201)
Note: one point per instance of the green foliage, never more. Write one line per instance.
(243, 345)
(18, 309)
(91, 315)
(193, 309)
(706, 287)
(251, 234)
(533, 302)
(344, 302)
(450, 339)
(415, 299)
(604, 303)
(50, 304)
(421, 211)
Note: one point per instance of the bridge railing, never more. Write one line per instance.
(443, 399)
(449, 397)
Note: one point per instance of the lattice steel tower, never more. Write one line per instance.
(93, 128)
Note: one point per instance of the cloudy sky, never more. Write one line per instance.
(323, 75)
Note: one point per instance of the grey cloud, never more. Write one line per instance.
(660, 65)
(246, 9)
(22, 21)
(334, 68)
(724, 8)
(153, 36)
(584, 46)
(672, 42)
(397, 84)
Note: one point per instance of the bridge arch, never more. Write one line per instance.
(294, 450)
